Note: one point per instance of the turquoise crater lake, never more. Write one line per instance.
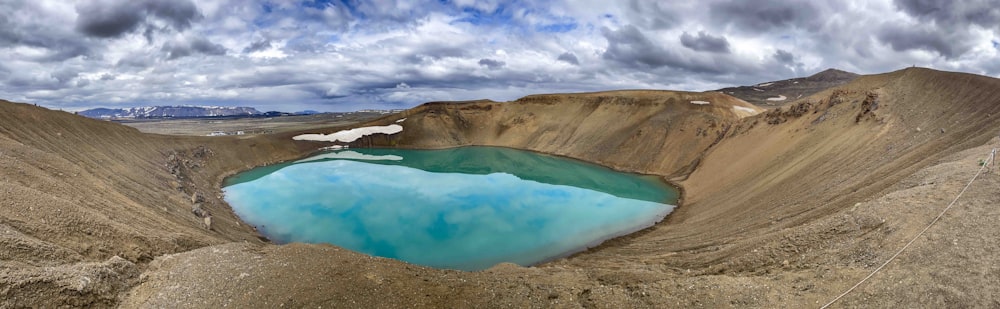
(465, 208)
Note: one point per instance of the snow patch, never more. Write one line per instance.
(700, 102)
(764, 84)
(759, 90)
(748, 110)
(351, 155)
(401, 120)
(777, 98)
(351, 135)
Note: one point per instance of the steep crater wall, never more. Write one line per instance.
(653, 132)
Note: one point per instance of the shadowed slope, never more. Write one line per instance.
(78, 191)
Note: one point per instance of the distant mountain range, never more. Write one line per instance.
(170, 112)
(779, 93)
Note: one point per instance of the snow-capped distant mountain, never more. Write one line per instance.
(170, 112)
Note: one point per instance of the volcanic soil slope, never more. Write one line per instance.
(85, 204)
(781, 208)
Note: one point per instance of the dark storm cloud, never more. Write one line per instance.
(788, 60)
(705, 42)
(258, 45)
(985, 13)
(21, 24)
(783, 56)
(628, 45)
(766, 15)
(491, 64)
(569, 57)
(176, 50)
(903, 38)
(64, 76)
(107, 19)
(135, 61)
(944, 26)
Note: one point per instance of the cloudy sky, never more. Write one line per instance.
(345, 55)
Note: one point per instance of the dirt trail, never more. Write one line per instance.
(784, 209)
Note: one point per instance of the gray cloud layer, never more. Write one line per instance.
(705, 42)
(329, 55)
(106, 19)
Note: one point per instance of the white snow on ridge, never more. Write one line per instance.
(352, 155)
(351, 135)
(401, 120)
(764, 84)
(700, 102)
(777, 98)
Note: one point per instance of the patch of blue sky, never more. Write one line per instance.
(995, 44)
(352, 6)
(500, 16)
(319, 4)
(504, 16)
(557, 27)
(274, 13)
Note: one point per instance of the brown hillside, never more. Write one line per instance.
(76, 191)
(780, 173)
(656, 132)
(784, 209)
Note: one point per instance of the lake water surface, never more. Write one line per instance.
(465, 208)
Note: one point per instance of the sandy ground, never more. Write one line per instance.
(785, 209)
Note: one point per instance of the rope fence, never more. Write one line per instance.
(989, 162)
